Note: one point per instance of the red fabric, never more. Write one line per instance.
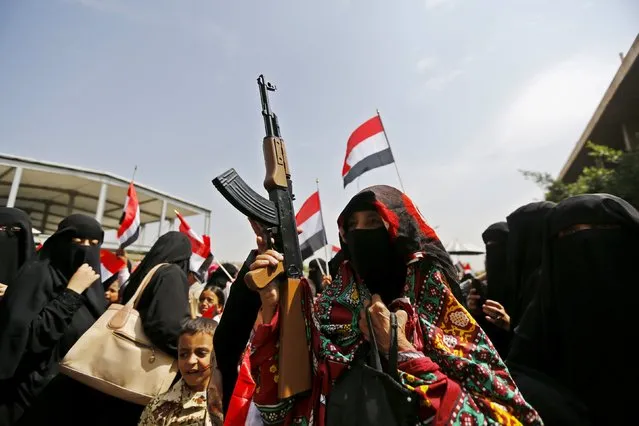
(242, 394)
(417, 216)
(210, 312)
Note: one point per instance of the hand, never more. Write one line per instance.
(496, 314)
(380, 319)
(3, 288)
(326, 281)
(472, 301)
(261, 236)
(83, 278)
(269, 295)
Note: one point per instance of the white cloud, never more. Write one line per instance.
(440, 81)
(426, 64)
(555, 104)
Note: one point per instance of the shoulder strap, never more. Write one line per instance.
(392, 353)
(133, 302)
(374, 353)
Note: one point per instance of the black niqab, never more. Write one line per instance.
(524, 256)
(496, 239)
(578, 327)
(16, 245)
(172, 247)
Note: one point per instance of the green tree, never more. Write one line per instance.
(613, 172)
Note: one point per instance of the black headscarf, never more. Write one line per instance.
(524, 256)
(496, 239)
(315, 275)
(16, 245)
(577, 328)
(218, 278)
(40, 281)
(409, 234)
(172, 247)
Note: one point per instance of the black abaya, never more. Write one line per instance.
(41, 318)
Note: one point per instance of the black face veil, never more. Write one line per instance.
(16, 242)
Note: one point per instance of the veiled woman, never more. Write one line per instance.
(568, 352)
(49, 305)
(392, 261)
(16, 244)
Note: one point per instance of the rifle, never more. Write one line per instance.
(278, 217)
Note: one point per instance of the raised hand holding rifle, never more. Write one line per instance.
(282, 263)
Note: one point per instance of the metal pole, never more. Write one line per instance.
(99, 213)
(71, 203)
(162, 216)
(323, 226)
(13, 193)
(207, 223)
(391, 150)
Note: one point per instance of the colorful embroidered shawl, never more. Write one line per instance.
(469, 385)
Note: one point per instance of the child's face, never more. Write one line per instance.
(207, 299)
(194, 359)
(112, 293)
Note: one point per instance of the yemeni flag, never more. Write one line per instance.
(334, 250)
(129, 230)
(367, 149)
(201, 256)
(309, 218)
(110, 265)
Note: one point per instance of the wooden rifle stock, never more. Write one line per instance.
(294, 357)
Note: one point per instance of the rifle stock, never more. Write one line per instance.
(260, 278)
(278, 216)
(294, 362)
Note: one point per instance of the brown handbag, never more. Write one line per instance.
(116, 357)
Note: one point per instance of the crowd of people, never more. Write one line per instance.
(396, 333)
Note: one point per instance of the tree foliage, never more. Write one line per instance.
(614, 172)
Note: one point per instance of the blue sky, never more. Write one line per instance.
(469, 94)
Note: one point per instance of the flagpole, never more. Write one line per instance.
(135, 170)
(223, 269)
(323, 226)
(391, 150)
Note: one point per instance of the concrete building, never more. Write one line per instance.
(49, 192)
(615, 122)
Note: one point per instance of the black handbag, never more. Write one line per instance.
(366, 395)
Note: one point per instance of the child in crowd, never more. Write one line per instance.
(112, 292)
(186, 402)
(212, 301)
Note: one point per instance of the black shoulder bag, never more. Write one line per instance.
(366, 395)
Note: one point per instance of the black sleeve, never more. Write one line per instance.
(53, 321)
(234, 330)
(164, 306)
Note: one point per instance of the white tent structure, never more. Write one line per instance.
(463, 249)
(49, 192)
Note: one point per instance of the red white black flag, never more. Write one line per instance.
(309, 219)
(129, 230)
(367, 149)
(110, 264)
(201, 256)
